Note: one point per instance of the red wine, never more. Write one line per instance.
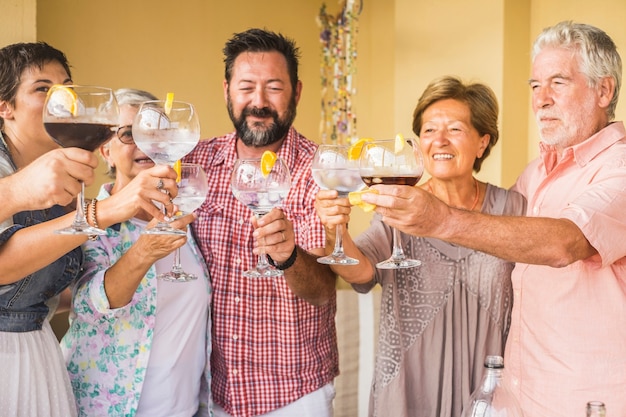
(80, 135)
(395, 180)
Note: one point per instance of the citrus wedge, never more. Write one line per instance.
(177, 168)
(62, 100)
(354, 152)
(399, 143)
(169, 99)
(355, 199)
(268, 159)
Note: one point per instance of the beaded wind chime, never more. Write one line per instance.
(338, 39)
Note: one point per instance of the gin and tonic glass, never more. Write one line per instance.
(192, 190)
(82, 117)
(260, 193)
(382, 162)
(166, 131)
(332, 169)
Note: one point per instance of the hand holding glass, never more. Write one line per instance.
(192, 190)
(332, 169)
(382, 163)
(166, 131)
(82, 117)
(260, 194)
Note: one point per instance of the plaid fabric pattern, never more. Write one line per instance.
(269, 346)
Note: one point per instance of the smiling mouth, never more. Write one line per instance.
(144, 160)
(442, 157)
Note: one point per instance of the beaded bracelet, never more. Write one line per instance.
(92, 217)
(288, 263)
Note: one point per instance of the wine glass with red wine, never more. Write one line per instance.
(81, 117)
(384, 162)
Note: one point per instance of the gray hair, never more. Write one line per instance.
(597, 51)
(130, 97)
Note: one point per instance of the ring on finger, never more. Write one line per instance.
(160, 184)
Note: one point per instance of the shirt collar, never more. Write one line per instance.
(585, 151)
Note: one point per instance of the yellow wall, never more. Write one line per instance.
(17, 21)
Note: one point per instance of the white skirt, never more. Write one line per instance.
(33, 378)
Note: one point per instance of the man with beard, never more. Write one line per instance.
(567, 341)
(274, 340)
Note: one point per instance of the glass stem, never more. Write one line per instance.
(262, 261)
(177, 267)
(397, 252)
(338, 250)
(80, 219)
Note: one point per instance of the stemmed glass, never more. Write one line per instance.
(192, 190)
(82, 117)
(166, 131)
(260, 193)
(333, 169)
(382, 162)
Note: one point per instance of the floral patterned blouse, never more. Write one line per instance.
(107, 350)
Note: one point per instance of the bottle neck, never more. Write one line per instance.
(491, 379)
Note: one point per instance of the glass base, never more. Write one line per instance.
(174, 276)
(81, 229)
(163, 229)
(268, 272)
(393, 263)
(340, 259)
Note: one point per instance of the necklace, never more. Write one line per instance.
(476, 197)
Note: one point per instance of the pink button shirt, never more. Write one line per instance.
(567, 342)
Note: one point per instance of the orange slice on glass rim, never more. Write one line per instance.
(399, 143)
(354, 152)
(268, 159)
(62, 99)
(169, 99)
(355, 199)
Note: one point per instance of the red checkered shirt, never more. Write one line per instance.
(270, 347)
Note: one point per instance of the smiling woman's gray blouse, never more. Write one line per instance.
(438, 321)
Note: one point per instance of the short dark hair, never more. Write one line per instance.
(261, 40)
(16, 58)
(480, 99)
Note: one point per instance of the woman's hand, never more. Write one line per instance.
(53, 178)
(139, 195)
(332, 211)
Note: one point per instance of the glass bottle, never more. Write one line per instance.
(596, 409)
(492, 398)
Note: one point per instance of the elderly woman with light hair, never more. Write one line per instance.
(440, 320)
(138, 345)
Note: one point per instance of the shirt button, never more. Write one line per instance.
(235, 337)
(241, 221)
(535, 210)
(235, 372)
(237, 299)
(237, 261)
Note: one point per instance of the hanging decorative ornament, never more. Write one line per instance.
(338, 38)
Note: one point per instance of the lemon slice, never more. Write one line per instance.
(399, 143)
(62, 101)
(178, 168)
(268, 159)
(169, 99)
(355, 199)
(354, 152)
